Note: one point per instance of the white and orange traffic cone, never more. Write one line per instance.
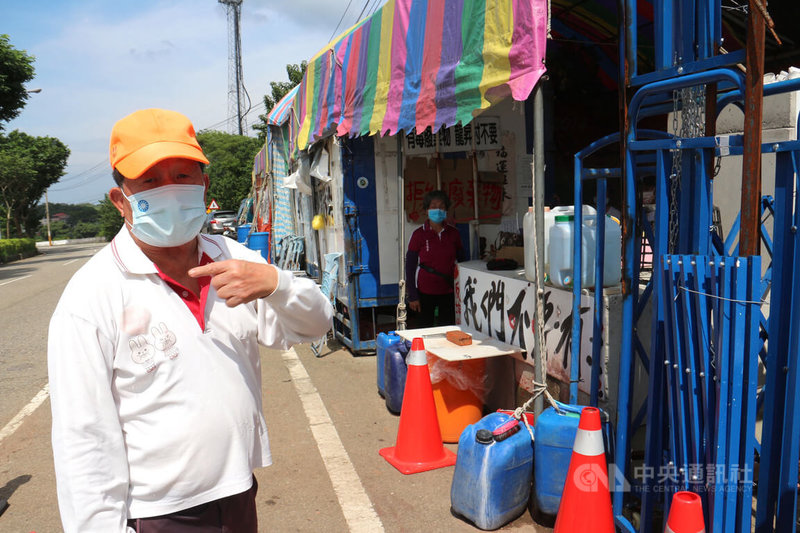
(586, 500)
(685, 514)
(419, 440)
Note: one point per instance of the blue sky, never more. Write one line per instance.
(98, 60)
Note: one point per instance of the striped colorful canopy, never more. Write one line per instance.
(419, 64)
(260, 163)
(279, 114)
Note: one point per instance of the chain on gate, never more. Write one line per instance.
(691, 102)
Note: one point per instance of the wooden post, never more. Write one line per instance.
(751, 159)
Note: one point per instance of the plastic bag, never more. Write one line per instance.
(466, 375)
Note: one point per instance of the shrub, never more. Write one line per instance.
(13, 249)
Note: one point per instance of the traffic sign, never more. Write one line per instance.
(213, 206)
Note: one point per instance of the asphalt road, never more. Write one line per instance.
(325, 418)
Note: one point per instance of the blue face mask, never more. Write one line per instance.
(169, 215)
(437, 216)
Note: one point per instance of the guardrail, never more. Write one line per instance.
(61, 242)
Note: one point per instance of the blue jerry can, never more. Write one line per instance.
(394, 372)
(382, 342)
(492, 479)
(554, 438)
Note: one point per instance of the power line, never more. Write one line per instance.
(374, 7)
(366, 3)
(87, 181)
(340, 21)
(252, 109)
(90, 175)
(84, 172)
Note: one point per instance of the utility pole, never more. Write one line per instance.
(46, 204)
(47, 214)
(236, 92)
(749, 235)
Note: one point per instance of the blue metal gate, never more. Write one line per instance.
(707, 332)
(685, 428)
(368, 298)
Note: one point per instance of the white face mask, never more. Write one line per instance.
(169, 215)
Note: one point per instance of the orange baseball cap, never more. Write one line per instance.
(148, 136)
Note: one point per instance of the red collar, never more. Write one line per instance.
(196, 305)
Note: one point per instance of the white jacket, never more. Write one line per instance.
(150, 414)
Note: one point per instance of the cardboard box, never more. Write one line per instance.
(517, 253)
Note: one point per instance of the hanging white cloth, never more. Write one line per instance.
(320, 167)
(301, 178)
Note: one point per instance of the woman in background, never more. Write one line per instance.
(434, 248)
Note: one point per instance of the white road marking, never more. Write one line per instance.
(353, 499)
(15, 279)
(72, 261)
(16, 422)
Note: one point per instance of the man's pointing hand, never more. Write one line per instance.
(238, 281)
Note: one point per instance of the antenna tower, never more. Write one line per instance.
(236, 91)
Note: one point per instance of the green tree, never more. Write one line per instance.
(278, 91)
(77, 213)
(28, 166)
(16, 69)
(83, 230)
(58, 230)
(231, 166)
(81, 221)
(110, 219)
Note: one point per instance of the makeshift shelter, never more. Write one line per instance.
(278, 150)
(624, 112)
(415, 65)
(385, 76)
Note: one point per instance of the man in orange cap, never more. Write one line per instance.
(153, 357)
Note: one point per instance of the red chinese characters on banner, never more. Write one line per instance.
(457, 182)
(415, 192)
(461, 193)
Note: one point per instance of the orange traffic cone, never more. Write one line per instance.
(685, 514)
(419, 440)
(586, 501)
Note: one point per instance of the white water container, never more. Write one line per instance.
(560, 246)
(550, 218)
(561, 251)
(612, 254)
